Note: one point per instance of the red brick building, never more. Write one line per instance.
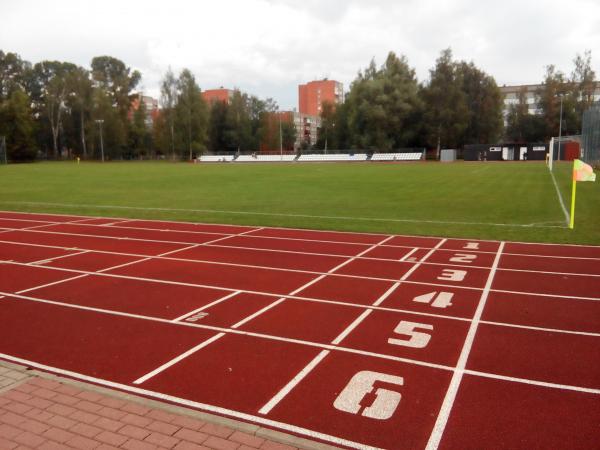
(211, 96)
(151, 105)
(312, 95)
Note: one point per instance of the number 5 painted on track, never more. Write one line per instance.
(416, 339)
(360, 386)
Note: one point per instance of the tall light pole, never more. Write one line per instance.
(560, 126)
(280, 138)
(100, 122)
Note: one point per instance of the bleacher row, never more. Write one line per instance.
(330, 157)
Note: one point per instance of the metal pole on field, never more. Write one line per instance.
(5, 151)
(560, 126)
(280, 138)
(100, 122)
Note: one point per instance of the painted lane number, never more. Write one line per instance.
(360, 386)
(196, 317)
(415, 339)
(436, 299)
(452, 275)
(463, 258)
(471, 246)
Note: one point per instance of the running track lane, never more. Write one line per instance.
(532, 348)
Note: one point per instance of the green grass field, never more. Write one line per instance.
(510, 201)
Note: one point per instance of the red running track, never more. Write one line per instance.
(353, 339)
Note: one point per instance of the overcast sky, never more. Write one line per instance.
(268, 47)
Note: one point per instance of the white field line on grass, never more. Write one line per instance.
(256, 314)
(444, 414)
(299, 216)
(285, 390)
(560, 200)
(192, 404)
(551, 244)
(316, 345)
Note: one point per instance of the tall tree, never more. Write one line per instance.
(16, 123)
(118, 80)
(80, 101)
(484, 102)
(138, 133)
(554, 91)
(191, 114)
(168, 100)
(583, 85)
(12, 71)
(326, 137)
(238, 134)
(382, 105)
(49, 89)
(521, 126)
(446, 110)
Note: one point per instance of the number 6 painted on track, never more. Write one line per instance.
(360, 386)
(416, 340)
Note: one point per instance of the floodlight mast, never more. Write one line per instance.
(280, 138)
(560, 125)
(100, 122)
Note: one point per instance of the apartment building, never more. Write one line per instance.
(312, 95)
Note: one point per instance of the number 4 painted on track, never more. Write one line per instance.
(440, 299)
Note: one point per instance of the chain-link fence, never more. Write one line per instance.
(590, 142)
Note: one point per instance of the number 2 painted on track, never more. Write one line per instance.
(416, 339)
(463, 258)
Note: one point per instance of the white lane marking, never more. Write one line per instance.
(300, 239)
(409, 253)
(175, 360)
(268, 307)
(318, 300)
(442, 419)
(274, 214)
(47, 260)
(51, 284)
(292, 383)
(289, 340)
(202, 308)
(274, 401)
(189, 403)
(360, 233)
(566, 387)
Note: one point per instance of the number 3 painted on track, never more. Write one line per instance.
(360, 386)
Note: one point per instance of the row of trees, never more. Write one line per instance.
(59, 109)
(56, 108)
(388, 108)
(574, 92)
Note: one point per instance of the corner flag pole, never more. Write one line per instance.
(573, 193)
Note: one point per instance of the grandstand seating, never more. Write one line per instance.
(415, 156)
(334, 157)
(265, 158)
(215, 158)
(340, 157)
